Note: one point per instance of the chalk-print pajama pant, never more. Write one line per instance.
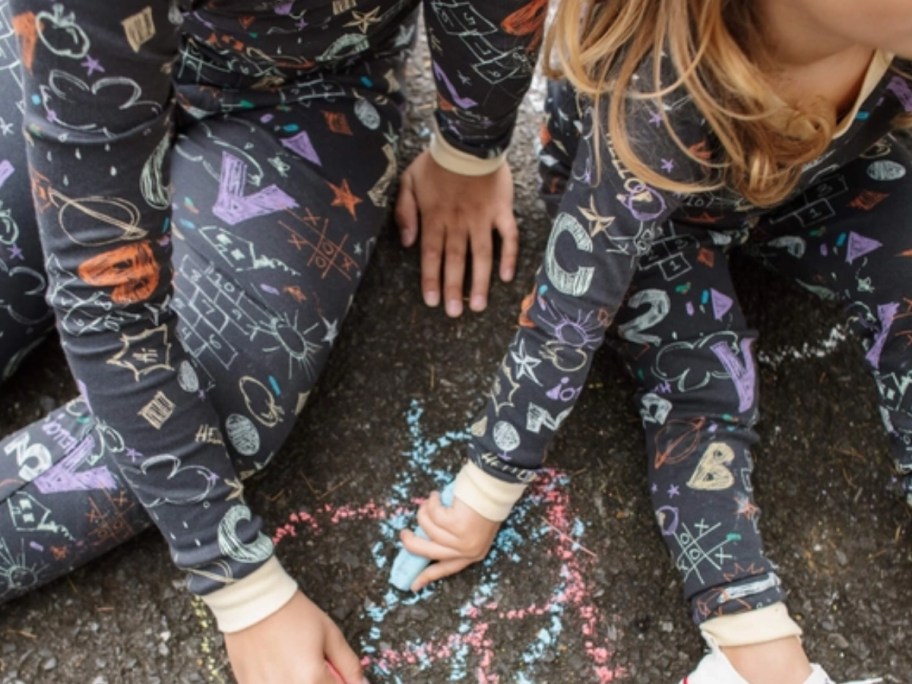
(846, 237)
(261, 282)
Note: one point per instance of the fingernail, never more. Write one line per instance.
(364, 680)
(508, 274)
(478, 303)
(453, 307)
(432, 298)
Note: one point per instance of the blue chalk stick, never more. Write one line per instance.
(407, 566)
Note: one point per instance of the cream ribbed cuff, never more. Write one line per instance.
(461, 162)
(752, 627)
(254, 598)
(485, 494)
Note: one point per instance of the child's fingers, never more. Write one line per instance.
(432, 504)
(407, 211)
(482, 260)
(436, 571)
(432, 246)
(337, 678)
(454, 267)
(434, 510)
(342, 662)
(427, 547)
(441, 514)
(429, 520)
(509, 248)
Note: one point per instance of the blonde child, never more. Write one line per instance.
(683, 130)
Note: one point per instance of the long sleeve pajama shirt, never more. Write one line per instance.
(651, 268)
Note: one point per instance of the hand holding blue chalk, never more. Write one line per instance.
(407, 566)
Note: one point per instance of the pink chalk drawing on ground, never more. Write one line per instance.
(542, 526)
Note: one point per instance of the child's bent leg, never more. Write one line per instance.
(261, 287)
(690, 351)
(265, 275)
(25, 318)
(63, 500)
(859, 254)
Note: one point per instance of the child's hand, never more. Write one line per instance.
(457, 537)
(455, 216)
(293, 646)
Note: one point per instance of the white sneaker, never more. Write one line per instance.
(714, 668)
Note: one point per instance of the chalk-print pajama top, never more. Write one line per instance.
(652, 266)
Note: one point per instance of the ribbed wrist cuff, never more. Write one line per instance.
(485, 494)
(253, 598)
(751, 627)
(460, 162)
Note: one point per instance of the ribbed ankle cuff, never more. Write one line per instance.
(751, 627)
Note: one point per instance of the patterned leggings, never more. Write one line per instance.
(841, 239)
(259, 292)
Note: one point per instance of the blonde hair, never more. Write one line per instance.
(719, 60)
